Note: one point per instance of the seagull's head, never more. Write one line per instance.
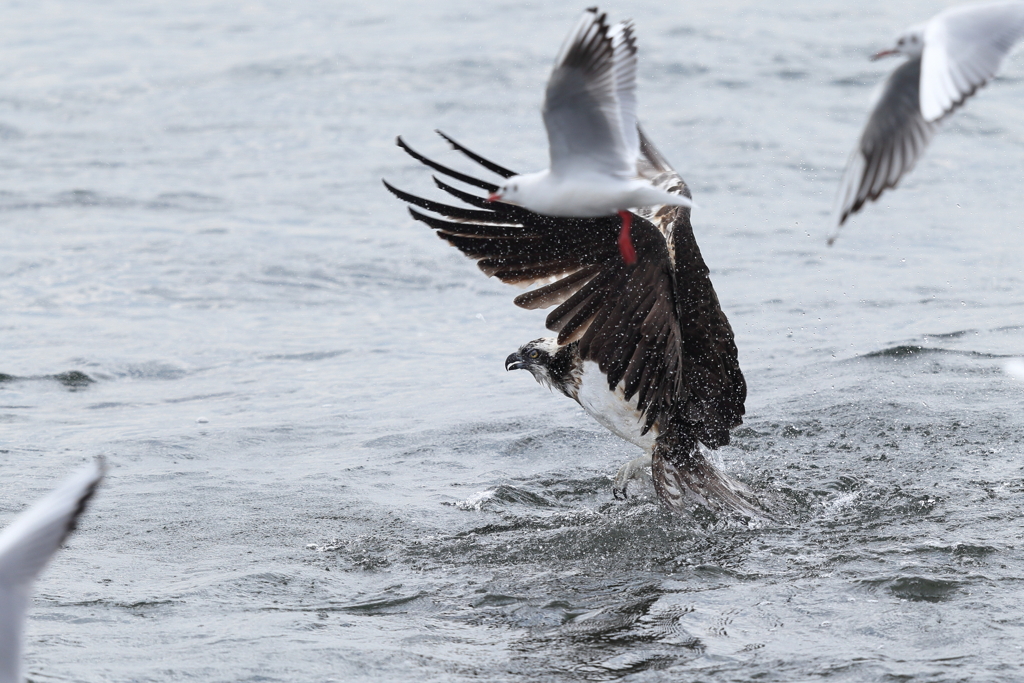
(508, 191)
(523, 189)
(909, 43)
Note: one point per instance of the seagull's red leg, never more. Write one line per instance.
(625, 242)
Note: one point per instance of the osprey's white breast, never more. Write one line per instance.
(611, 409)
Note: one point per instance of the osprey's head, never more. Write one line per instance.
(550, 364)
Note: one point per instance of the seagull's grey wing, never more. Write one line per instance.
(964, 47)
(582, 109)
(624, 45)
(25, 548)
(894, 138)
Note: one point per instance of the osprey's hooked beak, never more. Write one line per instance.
(884, 53)
(514, 362)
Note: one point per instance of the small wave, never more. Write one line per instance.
(841, 503)
(476, 501)
(496, 600)
(903, 351)
(285, 68)
(154, 370)
(792, 74)
(72, 379)
(951, 335)
(972, 551)
(186, 201)
(324, 547)
(685, 69)
(91, 198)
(608, 619)
(916, 588)
(311, 355)
(857, 81)
(135, 606)
(501, 496)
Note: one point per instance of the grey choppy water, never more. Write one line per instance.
(321, 471)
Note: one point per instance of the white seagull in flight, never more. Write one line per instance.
(590, 115)
(949, 56)
(25, 548)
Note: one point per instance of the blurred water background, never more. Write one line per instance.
(320, 470)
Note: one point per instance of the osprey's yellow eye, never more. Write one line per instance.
(534, 354)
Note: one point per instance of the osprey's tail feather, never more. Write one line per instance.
(685, 478)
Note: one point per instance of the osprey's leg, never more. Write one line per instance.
(625, 241)
(635, 469)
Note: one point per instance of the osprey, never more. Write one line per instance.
(645, 348)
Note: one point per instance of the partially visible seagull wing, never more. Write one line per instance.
(894, 138)
(964, 47)
(26, 545)
(594, 75)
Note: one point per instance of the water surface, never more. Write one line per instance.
(319, 467)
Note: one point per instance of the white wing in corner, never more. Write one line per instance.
(964, 47)
(25, 548)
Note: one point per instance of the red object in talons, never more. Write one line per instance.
(625, 241)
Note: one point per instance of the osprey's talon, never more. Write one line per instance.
(634, 470)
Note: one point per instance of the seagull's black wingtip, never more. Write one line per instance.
(446, 138)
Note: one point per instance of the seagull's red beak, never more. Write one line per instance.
(493, 197)
(884, 53)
